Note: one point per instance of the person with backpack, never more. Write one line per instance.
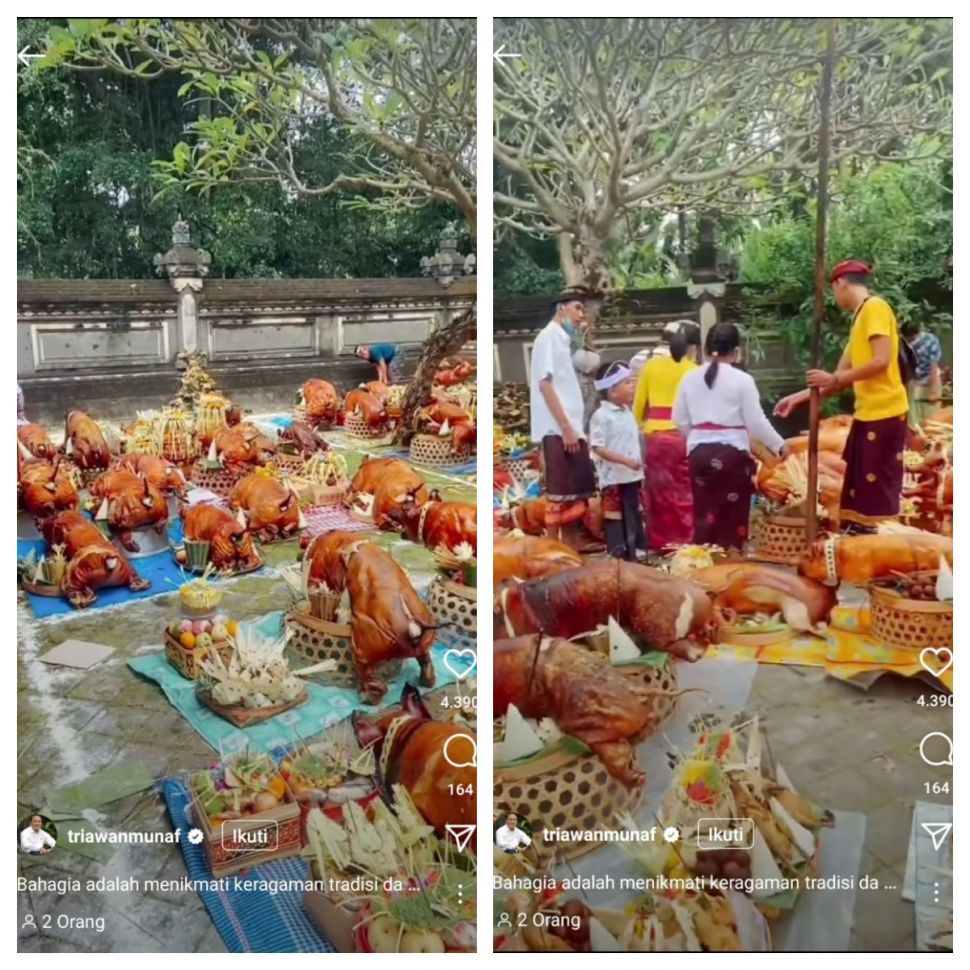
(877, 364)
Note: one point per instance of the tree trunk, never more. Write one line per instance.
(442, 343)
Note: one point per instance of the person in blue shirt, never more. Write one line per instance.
(926, 387)
(388, 360)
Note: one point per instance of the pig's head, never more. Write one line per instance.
(174, 481)
(406, 517)
(290, 518)
(370, 730)
(92, 569)
(820, 562)
(232, 546)
(137, 508)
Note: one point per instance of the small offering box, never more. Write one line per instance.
(186, 661)
(237, 844)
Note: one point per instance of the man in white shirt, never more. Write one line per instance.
(509, 837)
(557, 413)
(34, 840)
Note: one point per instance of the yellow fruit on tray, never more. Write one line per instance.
(187, 640)
(232, 626)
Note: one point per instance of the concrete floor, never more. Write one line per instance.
(75, 723)
(842, 748)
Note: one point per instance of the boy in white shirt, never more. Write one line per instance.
(615, 441)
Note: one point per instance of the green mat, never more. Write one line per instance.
(326, 706)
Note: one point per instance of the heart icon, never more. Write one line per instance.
(938, 653)
(460, 662)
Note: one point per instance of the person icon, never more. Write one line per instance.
(35, 839)
(509, 837)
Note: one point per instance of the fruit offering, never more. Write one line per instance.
(202, 633)
(243, 785)
(330, 773)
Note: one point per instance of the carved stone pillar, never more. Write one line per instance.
(186, 268)
(708, 269)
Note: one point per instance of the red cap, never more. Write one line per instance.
(850, 266)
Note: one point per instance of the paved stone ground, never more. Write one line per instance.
(842, 747)
(75, 723)
(858, 751)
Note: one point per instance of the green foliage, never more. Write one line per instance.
(898, 218)
(88, 186)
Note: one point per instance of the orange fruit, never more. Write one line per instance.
(232, 626)
(187, 640)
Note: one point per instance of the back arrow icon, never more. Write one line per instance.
(26, 58)
(498, 55)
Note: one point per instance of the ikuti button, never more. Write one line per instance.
(725, 833)
(250, 835)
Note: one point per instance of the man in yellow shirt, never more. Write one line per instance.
(667, 495)
(871, 364)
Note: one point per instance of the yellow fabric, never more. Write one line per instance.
(657, 388)
(849, 650)
(882, 396)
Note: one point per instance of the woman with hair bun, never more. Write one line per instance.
(718, 410)
(666, 488)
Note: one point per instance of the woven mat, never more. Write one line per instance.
(249, 920)
(327, 518)
(326, 706)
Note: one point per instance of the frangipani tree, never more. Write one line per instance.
(603, 125)
(405, 89)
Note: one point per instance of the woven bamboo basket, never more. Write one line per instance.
(357, 427)
(780, 539)
(521, 469)
(315, 640)
(909, 624)
(430, 449)
(186, 661)
(566, 792)
(217, 480)
(664, 678)
(290, 464)
(452, 603)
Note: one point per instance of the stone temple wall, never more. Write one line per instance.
(112, 346)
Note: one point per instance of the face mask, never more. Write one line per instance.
(571, 329)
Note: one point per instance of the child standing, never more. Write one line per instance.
(615, 441)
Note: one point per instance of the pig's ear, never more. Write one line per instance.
(365, 730)
(412, 704)
(434, 495)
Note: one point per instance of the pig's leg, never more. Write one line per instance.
(620, 761)
(427, 670)
(136, 583)
(372, 688)
(80, 598)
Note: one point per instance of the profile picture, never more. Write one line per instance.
(36, 835)
(513, 832)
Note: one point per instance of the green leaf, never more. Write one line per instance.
(181, 155)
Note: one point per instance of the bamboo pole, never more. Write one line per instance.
(818, 315)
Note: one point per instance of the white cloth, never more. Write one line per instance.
(551, 358)
(506, 838)
(733, 400)
(615, 429)
(31, 841)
